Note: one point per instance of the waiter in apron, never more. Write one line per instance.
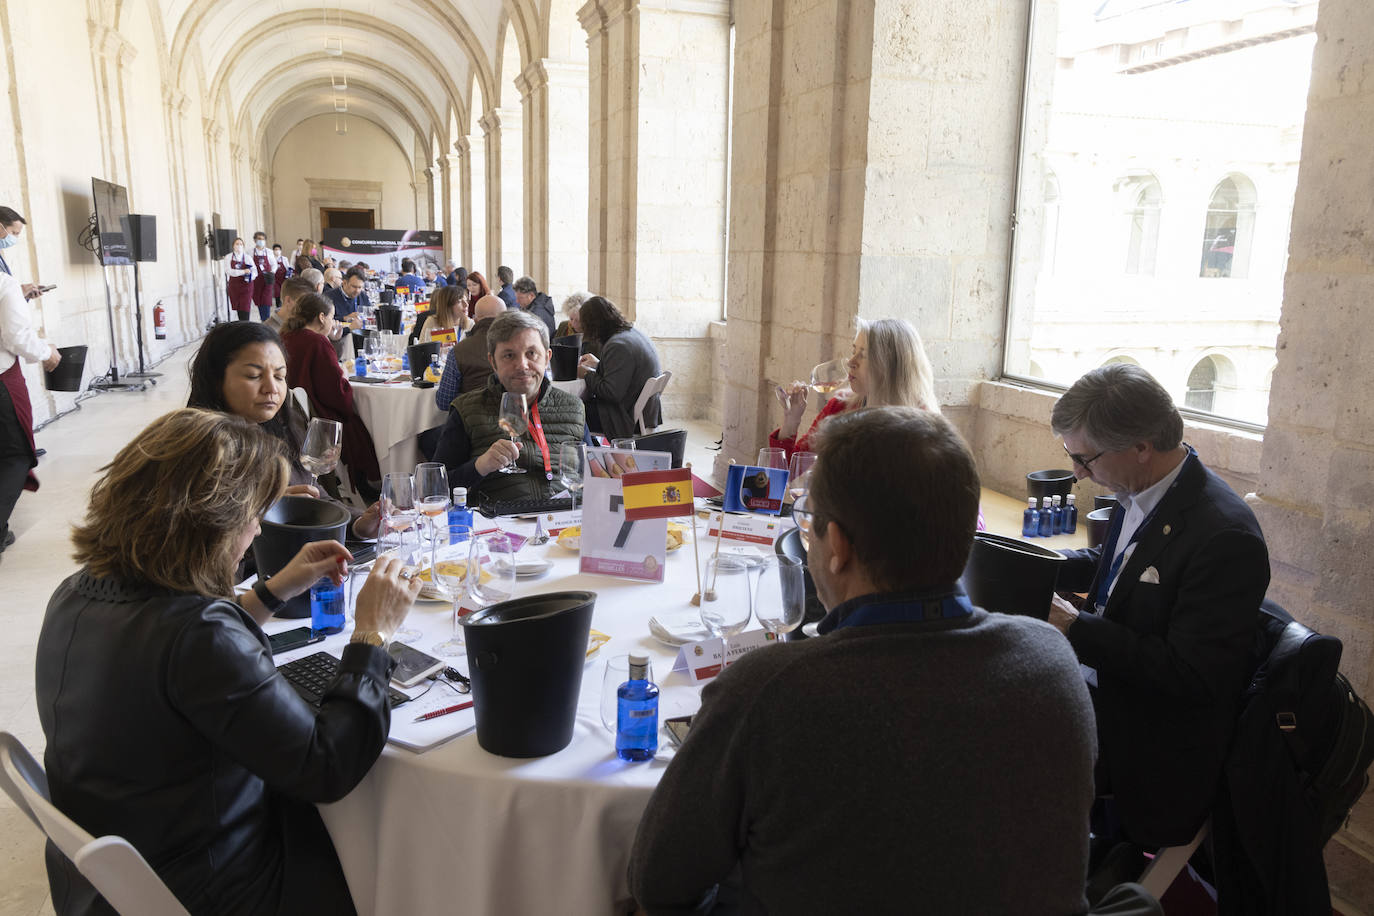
(265, 278)
(280, 271)
(17, 454)
(241, 275)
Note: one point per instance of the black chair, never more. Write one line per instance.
(667, 440)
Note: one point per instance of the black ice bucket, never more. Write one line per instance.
(1011, 576)
(525, 658)
(67, 375)
(389, 318)
(565, 356)
(291, 523)
(1050, 483)
(419, 355)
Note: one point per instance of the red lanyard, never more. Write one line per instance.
(537, 431)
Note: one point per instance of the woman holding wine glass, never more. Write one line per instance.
(240, 369)
(313, 365)
(887, 367)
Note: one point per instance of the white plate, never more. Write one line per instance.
(532, 569)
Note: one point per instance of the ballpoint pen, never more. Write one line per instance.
(443, 712)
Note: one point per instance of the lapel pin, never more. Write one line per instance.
(1168, 528)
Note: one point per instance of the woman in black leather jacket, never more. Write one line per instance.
(166, 721)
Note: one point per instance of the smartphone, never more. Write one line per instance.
(362, 552)
(287, 640)
(412, 665)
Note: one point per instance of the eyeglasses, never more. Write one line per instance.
(1086, 463)
(804, 517)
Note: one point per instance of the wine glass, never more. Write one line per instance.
(798, 473)
(779, 595)
(372, 346)
(571, 467)
(828, 376)
(491, 568)
(514, 420)
(398, 508)
(452, 576)
(431, 498)
(772, 458)
(727, 602)
(320, 453)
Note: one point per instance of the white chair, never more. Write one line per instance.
(1169, 861)
(652, 387)
(114, 868)
(303, 401)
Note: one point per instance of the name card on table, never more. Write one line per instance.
(613, 545)
(747, 529)
(554, 522)
(703, 660)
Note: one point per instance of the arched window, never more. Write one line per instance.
(1142, 218)
(1202, 385)
(1229, 233)
(1049, 240)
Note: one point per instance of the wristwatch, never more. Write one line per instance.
(269, 600)
(369, 638)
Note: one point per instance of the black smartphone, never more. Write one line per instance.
(287, 640)
(678, 727)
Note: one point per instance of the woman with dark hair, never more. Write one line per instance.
(166, 721)
(240, 369)
(628, 360)
(446, 313)
(477, 288)
(312, 364)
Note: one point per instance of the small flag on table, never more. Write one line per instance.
(447, 335)
(657, 494)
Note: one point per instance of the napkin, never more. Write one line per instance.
(678, 629)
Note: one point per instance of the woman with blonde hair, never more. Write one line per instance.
(888, 367)
(166, 720)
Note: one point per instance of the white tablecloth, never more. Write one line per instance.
(395, 415)
(458, 830)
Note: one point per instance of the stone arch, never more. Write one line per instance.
(260, 140)
(1211, 383)
(508, 65)
(523, 16)
(1118, 357)
(563, 35)
(1228, 234)
(1140, 197)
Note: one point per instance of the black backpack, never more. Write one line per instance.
(1328, 729)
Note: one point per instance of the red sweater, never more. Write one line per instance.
(803, 444)
(312, 364)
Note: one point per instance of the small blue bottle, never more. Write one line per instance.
(636, 720)
(360, 366)
(405, 361)
(1046, 519)
(326, 607)
(1070, 516)
(458, 512)
(1030, 519)
(1056, 516)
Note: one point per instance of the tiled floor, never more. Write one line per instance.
(78, 446)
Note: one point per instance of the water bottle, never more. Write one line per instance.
(326, 607)
(433, 372)
(1046, 519)
(1030, 519)
(1056, 516)
(1070, 517)
(636, 720)
(405, 360)
(459, 513)
(360, 366)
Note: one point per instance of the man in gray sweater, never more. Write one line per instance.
(922, 755)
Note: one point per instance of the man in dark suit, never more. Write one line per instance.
(1166, 633)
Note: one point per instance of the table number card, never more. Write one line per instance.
(702, 660)
(611, 544)
(760, 530)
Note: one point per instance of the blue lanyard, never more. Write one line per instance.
(1105, 586)
(938, 607)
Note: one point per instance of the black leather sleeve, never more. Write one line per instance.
(221, 678)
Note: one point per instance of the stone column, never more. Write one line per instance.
(554, 95)
(491, 136)
(448, 167)
(421, 191)
(463, 150)
(505, 238)
(593, 19)
(429, 196)
(1316, 484)
(479, 255)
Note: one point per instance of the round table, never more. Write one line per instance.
(458, 830)
(395, 414)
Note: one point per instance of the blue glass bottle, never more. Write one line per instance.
(1056, 515)
(1046, 520)
(636, 720)
(326, 607)
(360, 366)
(1070, 517)
(459, 513)
(1030, 519)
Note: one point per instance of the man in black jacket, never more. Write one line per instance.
(1166, 634)
(533, 301)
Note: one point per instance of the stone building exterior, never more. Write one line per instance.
(746, 179)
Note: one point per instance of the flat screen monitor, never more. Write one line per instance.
(112, 222)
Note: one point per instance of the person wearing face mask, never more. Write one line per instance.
(18, 456)
(264, 281)
(280, 271)
(888, 367)
(241, 272)
(11, 226)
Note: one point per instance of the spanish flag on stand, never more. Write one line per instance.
(657, 494)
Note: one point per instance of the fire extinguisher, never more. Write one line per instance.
(159, 321)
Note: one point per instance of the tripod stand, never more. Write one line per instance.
(110, 380)
(138, 331)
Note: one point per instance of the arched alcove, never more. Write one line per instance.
(1142, 198)
(1229, 230)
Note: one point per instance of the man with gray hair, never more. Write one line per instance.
(529, 298)
(473, 445)
(1166, 633)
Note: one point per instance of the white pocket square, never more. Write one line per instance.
(1150, 575)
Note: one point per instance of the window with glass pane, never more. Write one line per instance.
(1162, 147)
